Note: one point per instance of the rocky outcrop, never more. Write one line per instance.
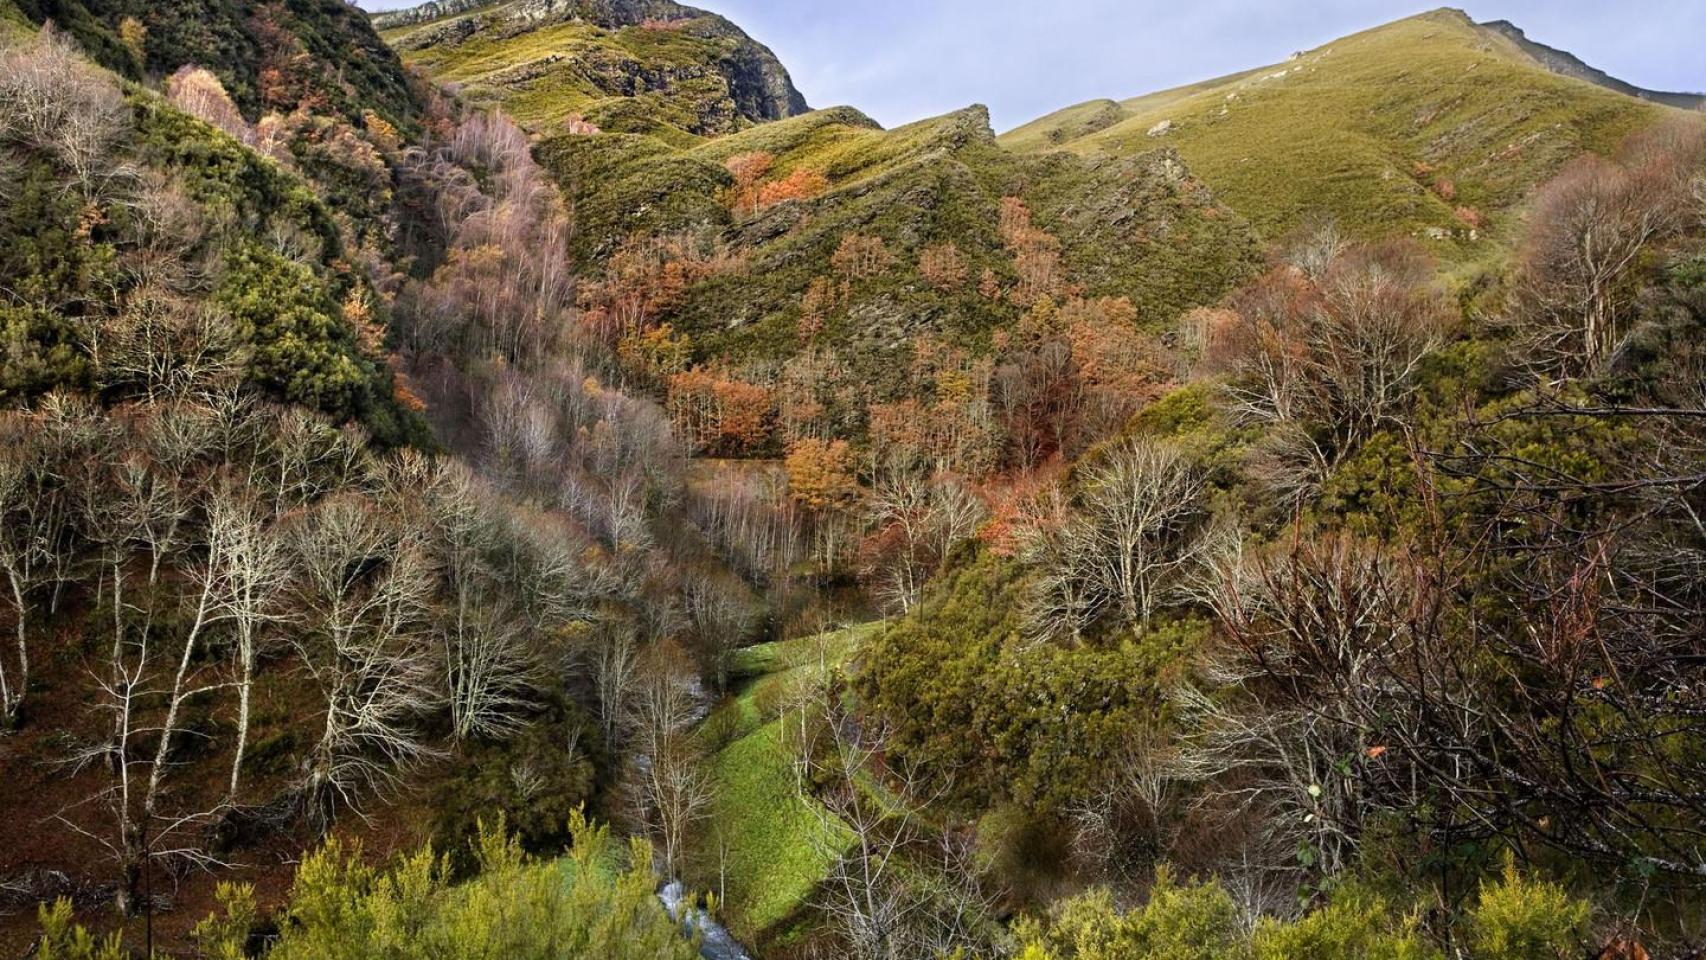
(758, 84)
(426, 12)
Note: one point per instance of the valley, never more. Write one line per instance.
(474, 475)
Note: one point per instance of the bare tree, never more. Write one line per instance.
(248, 574)
(613, 653)
(722, 617)
(161, 346)
(153, 672)
(894, 892)
(1137, 520)
(33, 508)
(142, 832)
(674, 787)
(1589, 228)
(1126, 824)
(918, 518)
(490, 671)
(364, 585)
(57, 102)
(1327, 355)
(1322, 641)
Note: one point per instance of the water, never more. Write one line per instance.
(716, 942)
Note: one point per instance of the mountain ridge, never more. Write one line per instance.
(1565, 63)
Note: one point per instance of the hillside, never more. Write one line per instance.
(1565, 63)
(653, 67)
(1431, 126)
(1139, 227)
(270, 57)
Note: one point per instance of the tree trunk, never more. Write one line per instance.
(243, 688)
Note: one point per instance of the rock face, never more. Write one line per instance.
(436, 10)
(1567, 64)
(757, 84)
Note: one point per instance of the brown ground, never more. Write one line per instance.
(36, 793)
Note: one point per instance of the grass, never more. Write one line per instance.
(766, 846)
(1365, 127)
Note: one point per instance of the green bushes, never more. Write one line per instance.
(1354, 925)
(1523, 918)
(598, 902)
(965, 692)
(1515, 918)
(39, 350)
(316, 53)
(304, 351)
(1191, 921)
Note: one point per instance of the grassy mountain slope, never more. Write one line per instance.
(656, 68)
(1420, 126)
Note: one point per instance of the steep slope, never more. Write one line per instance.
(270, 57)
(636, 66)
(1431, 125)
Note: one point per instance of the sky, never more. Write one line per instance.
(903, 60)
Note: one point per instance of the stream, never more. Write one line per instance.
(716, 942)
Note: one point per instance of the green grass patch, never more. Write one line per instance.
(764, 845)
(677, 84)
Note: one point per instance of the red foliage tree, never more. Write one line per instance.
(943, 268)
(749, 170)
(801, 184)
(719, 415)
(861, 257)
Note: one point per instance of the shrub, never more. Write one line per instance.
(599, 903)
(39, 350)
(1190, 921)
(1519, 918)
(1355, 925)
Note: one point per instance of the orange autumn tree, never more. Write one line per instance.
(749, 170)
(822, 298)
(801, 184)
(646, 278)
(821, 474)
(942, 267)
(1121, 367)
(1036, 253)
(720, 415)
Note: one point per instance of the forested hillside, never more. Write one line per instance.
(544, 492)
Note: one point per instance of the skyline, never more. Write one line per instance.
(899, 61)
